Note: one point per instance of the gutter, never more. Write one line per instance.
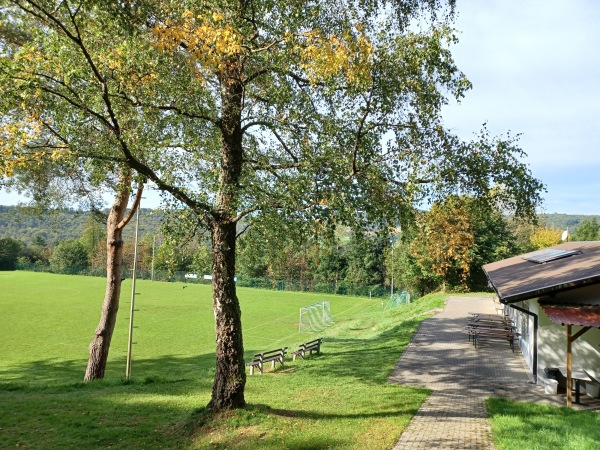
(535, 344)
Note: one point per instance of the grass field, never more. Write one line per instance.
(520, 425)
(337, 400)
(49, 320)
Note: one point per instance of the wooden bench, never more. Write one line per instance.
(272, 356)
(310, 346)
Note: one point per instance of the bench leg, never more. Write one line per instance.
(251, 370)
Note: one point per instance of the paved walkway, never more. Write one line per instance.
(441, 358)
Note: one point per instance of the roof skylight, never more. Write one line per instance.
(549, 254)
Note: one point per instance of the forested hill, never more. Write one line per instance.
(25, 224)
(564, 221)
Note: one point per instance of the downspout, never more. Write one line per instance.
(535, 332)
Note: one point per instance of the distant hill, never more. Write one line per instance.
(564, 221)
(26, 224)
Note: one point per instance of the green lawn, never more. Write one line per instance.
(337, 400)
(519, 425)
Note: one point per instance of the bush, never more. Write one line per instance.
(69, 257)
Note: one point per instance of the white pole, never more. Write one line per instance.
(392, 290)
(152, 272)
(130, 340)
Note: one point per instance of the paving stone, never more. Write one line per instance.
(441, 358)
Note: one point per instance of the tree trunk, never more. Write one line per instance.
(114, 265)
(230, 376)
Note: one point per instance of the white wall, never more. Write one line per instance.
(552, 338)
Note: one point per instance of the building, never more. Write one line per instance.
(554, 297)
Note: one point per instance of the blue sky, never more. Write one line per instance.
(535, 69)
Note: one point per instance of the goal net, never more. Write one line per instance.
(315, 317)
(397, 300)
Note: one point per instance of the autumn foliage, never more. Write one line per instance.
(444, 239)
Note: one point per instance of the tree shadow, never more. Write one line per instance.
(56, 373)
(148, 415)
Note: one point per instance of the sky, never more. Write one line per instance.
(535, 69)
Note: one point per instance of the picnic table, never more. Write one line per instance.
(491, 326)
(482, 316)
(492, 333)
(577, 375)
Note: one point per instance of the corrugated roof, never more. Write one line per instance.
(580, 315)
(516, 279)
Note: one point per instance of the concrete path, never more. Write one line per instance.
(441, 358)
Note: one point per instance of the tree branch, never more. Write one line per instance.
(134, 207)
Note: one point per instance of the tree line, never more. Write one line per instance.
(444, 248)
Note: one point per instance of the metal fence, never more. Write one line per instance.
(307, 285)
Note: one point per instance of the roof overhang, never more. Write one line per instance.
(516, 279)
(579, 315)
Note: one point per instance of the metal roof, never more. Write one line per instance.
(516, 279)
(580, 315)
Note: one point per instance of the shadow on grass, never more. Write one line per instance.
(159, 416)
(57, 373)
(109, 414)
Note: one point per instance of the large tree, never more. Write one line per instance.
(315, 111)
(48, 137)
(69, 256)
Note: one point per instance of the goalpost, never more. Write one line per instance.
(315, 317)
(397, 300)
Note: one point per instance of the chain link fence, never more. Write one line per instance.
(340, 288)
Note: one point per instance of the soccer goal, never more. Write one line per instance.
(315, 317)
(397, 300)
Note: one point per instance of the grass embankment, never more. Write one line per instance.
(337, 400)
(520, 425)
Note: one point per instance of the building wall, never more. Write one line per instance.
(524, 324)
(552, 338)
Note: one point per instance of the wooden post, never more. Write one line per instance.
(569, 367)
